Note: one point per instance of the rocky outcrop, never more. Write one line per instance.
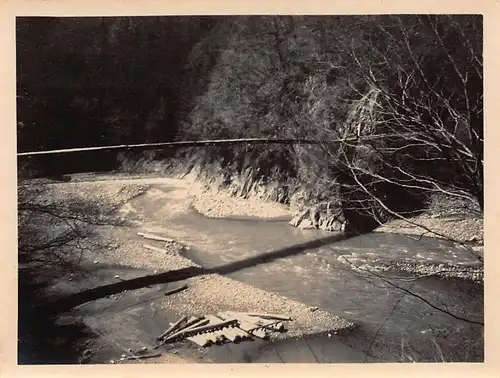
(315, 218)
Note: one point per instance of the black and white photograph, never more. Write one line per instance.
(250, 189)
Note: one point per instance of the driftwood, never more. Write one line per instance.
(144, 356)
(176, 290)
(268, 316)
(155, 237)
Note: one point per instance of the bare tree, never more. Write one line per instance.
(417, 115)
(407, 100)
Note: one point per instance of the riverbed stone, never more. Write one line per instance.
(299, 217)
(306, 224)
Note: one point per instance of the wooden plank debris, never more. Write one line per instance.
(246, 323)
(276, 327)
(260, 334)
(172, 328)
(237, 334)
(259, 322)
(231, 334)
(200, 322)
(225, 326)
(220, 336)
(248, 327)
(193, 322)
(200, 340)
(203, 329)
(155, 237)
(210, 336)
(242, 335)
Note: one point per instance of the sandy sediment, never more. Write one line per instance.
(220, 204)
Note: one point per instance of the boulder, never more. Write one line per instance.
(306, 224)
(299, 217)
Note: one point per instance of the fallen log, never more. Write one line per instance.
(268, 316)
(172, 328)
(155, 237)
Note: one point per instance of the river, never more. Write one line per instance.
(393, 324)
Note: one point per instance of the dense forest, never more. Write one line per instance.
(409, 89)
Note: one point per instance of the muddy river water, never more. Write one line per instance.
(393, 324)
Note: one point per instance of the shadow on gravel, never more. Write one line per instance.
(41, 340)
(73, 300)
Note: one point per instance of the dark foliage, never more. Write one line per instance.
(104, 81)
